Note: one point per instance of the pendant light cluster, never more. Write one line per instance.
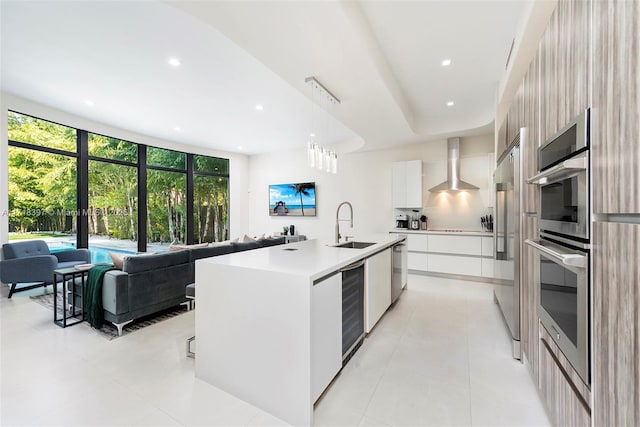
(319, 156)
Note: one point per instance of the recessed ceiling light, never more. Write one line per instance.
(239, 147)
(312, 134)
(450, 104)
(177, 128)
(90, 103)
(259, 107)
(446, 62)
(175, 62)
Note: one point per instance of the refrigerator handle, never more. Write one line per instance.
(500, 235)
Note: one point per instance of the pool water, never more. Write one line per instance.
(99, 255)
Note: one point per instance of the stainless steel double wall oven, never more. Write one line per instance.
(564, 241)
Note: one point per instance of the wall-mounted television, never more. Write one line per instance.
(298, 199)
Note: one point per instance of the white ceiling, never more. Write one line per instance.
(381, 58)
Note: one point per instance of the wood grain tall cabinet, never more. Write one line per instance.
(615, 153)
(589, 56)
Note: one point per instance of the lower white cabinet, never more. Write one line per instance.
(466, 254)
(326, 332)
(377, 285)
(450, 264)
(458, 245)
(487, 267)
(417, 261)
(417, 242)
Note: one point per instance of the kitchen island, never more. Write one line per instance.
(269, 321)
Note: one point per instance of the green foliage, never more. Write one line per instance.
(112, 148)
(42, 191)
(166, 158)
(42, 187)
(24, 236)
(34, 131)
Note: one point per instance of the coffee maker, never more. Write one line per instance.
(402, 221)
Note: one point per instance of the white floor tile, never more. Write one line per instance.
(440, 356)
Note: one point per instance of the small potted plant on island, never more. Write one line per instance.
(285, 230)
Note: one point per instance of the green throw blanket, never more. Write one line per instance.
(93, 297)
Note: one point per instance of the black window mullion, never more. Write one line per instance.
(82, 193)
(190, 210)
(142, 198)
(115, 162)
(165, 169)
(49, 150)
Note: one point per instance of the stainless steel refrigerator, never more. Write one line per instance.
(507, 240)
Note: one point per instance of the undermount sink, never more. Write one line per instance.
(355, 245)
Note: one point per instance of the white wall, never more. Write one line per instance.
(238, 163)
(364, 179)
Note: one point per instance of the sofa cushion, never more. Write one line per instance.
(272, 241)
(25, 249)
(245, 246)
(200, 253)
(137, 264)
(174, 248)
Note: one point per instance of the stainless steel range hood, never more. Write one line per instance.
(453, 182)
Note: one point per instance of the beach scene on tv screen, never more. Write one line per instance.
(292, 199)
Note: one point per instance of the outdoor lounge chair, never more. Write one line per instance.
(31, 262)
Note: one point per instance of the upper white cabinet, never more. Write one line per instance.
(406, 184)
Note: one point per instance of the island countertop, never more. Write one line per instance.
(310, 258)
(269, 321)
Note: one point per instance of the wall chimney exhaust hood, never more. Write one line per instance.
(453, 182)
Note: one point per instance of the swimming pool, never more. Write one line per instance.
(99, 254)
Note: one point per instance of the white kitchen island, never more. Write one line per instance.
(269, 325)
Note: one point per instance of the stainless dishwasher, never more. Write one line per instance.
(352, 308)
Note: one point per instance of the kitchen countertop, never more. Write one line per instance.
(452, 233)
(311, 258)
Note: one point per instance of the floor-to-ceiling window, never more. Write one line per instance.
(210, 199)
(166, 196)
(42, 183)
(130, 197)
(112, 196)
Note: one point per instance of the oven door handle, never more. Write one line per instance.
(573, 260)
(559, 171)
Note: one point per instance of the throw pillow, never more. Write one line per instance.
(247, 239)
(118, 259)
(173, 248)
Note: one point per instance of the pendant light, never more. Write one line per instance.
(319, 156)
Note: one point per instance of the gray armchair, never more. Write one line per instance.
(32, 262)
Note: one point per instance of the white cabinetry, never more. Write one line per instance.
(417, 242)
(461, 245)
(452, 264)
(406, 184)
(326, 332)
(377, 287)
(487, 257)
(464, 254)
(447, 254)
(417, 252)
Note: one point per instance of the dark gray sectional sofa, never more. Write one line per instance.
(151, 283)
